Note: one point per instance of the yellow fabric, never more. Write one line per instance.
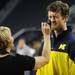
(58, 65)
(71, 67)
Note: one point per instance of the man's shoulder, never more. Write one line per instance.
(70, 37)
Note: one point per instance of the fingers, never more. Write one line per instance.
(45, 28)
(44, 25)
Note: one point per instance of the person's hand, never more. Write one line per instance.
(45, 28)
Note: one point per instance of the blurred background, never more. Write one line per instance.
(24, 17)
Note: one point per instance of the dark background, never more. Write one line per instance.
(27, 13)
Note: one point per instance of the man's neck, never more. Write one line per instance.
(58, 32)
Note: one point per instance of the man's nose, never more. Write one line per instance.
(52, 19)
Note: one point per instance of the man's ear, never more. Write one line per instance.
(66, 18)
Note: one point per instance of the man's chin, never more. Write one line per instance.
(52, 28)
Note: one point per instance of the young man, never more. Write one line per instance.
(15, 65)
(62, 56)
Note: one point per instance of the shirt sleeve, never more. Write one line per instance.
(72, 51)
(72, 58)
(27, 62)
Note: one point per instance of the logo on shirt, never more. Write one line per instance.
(62, 46)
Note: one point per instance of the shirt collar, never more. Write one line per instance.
(63, 34)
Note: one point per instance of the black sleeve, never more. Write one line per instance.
(72, 51)
(27, 62)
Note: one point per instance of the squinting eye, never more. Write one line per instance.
(53, 17)
(49, 17)
(56, 17)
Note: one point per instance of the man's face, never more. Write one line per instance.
(57, 21)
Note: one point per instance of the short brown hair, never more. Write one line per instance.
(59, 6)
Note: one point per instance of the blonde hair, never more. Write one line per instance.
(4, 38)
(4, 32)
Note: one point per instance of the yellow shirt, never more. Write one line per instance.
(59, 64)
